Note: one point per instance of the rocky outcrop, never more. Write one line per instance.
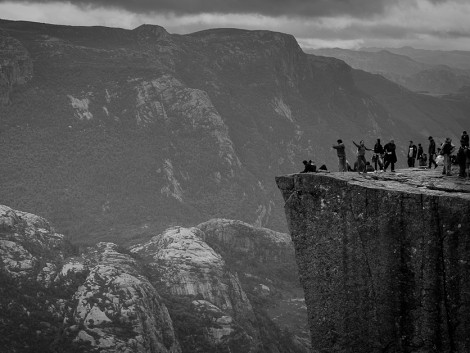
(174, 293)
(261, 244)
(16, 66)
(383, 259)
(186, 266)
(118, 310)
(265, 264)
(95, 301)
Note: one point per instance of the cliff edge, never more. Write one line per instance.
(384, 259)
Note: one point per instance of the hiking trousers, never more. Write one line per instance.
(378, 160)
(361, 164)
(447, 165)
(342, 164)
(432, 161)
(387, 163)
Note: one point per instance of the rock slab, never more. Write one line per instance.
(383, 259)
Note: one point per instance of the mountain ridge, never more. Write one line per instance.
(125, 132)
(426, 73)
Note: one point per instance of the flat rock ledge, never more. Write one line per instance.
(384, 259)
(412, 180)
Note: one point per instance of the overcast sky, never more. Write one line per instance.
(428, 24)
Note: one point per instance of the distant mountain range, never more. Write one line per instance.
(115, 134)
(459, 59)
(426, 71)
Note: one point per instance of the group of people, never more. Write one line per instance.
(385, 156)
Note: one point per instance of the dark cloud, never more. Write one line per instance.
(451, 34)
(310, 8)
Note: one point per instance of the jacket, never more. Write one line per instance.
(390, 154)
(412, 150)
(420, 152)
(447, 148)
(432, 148)
(378, 148)
(340, 150)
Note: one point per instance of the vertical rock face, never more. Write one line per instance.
(16, 66)
(384, 261)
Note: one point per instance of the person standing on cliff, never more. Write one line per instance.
(378, 155)
(468, 162)
(446, 151)
(341, 152)
(390, 155)
(462, 159)
(361, 156)
(419, 156)
(465, 139)
(432, 152)
(412, 151)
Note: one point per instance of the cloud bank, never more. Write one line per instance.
(431, 24)
(303, 8)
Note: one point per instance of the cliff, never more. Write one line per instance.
(384, 259)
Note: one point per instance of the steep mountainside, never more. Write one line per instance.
(383, 259)
(119, 133)
(173, 293)
(418, 76)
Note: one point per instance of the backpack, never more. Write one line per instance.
(447, 148)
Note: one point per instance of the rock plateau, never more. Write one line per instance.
(384, 259)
